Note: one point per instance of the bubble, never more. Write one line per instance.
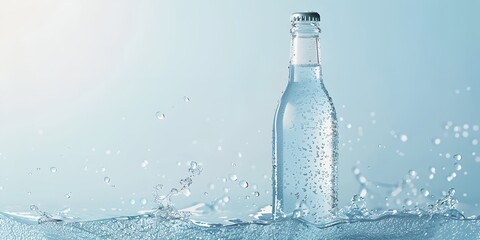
(243, 184)
(437, 141)
(160, 115)
(424, 192)
(403, 138)
(132, 201)
(186, 99)
(256, 194)
(53, 169)
(458, 167)
(33, 207)
(457, 157)
(233, 177)
(475, 142)
(106, 179)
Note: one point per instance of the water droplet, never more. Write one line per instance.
(243, 184)
(362, 179)
(256, 194)
(457, 157)
(431, 176)
(239, 155)
(132, 201)
(477, 159)
(349, 125)
(465, 134)
(437, 141)
(160, 115)
(356, 171)
(106, 179)
(144, 164)
(159, 187)
(475, 128)
(425, 192)
(143, 201)
(33, 207)
(247, 197)
(408, 202)
(53, 169)
(205, 193)
(412, 173)
(226, 199)
(403, 138)
(432, 170)
(186, 99)
(475, 142)
(103, 169)
(297, 213)
(219, 148)
(187, 192)
(233, 177)
(458, 167)
(68, 195)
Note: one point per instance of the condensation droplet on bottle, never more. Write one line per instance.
(437, 141)
(239, 155)
(68, 195)
(144, 164)
(433, 170)
(53, 169)
(186, 99)
(356, 171)
(297, 213)
(457, 157)
(256, 194)
(33, 207)
(226, 199)
(412, 173)
(132, 201)
(403, 138)
(143, 201)
(475, 142)
(243, 184)
(160, 115)
(349, 125)
(106, 179)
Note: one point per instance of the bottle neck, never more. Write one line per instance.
(305, 61)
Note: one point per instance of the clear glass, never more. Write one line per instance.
(305, 136)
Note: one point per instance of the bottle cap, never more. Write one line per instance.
(305, 17)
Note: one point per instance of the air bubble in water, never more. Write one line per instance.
(53, 169)
(106, 179)
(437, 141)
(403, 138)
(457, 157)
(233, 177)
(243, 184)
(160, 115)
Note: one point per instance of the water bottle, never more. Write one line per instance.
(305, 136)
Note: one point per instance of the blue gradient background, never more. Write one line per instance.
(79, 76)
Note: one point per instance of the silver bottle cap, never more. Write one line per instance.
(305, 17)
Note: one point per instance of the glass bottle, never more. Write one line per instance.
(305, 136)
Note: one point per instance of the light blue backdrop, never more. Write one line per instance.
(81, 83)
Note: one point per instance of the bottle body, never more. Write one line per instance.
(305, 146)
